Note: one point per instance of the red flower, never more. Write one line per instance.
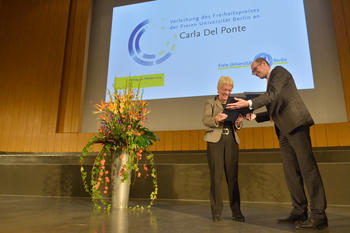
(121, 172)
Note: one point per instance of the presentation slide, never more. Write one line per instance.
(180, 48)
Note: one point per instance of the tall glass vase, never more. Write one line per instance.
(120, 191)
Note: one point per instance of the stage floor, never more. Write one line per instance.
(23, 214)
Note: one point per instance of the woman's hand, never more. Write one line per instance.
(220, 117)
(239, 120)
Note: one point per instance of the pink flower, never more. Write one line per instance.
(106, 187)
(138, 174)
(106, 172)
(121, 156)
(101, 173)
(145, 167)
(102, 162)
(105, 192)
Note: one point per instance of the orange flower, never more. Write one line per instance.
(138, 174)
(102, 162)
(105, 192)
(145, 167)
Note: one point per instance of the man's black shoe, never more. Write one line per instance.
(293, 218)
(313, 223)
(238, 218)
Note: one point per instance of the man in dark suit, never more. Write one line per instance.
(292, 121)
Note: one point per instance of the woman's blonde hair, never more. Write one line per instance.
(224, 80)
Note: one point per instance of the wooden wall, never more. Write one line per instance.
(43, 54)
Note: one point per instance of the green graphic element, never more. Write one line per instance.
(149, 80)
(232, 67)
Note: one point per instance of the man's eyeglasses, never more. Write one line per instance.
(255, 68)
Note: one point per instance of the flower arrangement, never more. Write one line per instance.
(121, 131)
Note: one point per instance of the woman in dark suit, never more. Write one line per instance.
(222, 150)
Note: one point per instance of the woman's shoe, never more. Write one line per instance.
(216, 218)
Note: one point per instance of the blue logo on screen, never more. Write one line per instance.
(266, 56)
(149, 59)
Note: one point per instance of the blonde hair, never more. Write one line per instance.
(225, 80)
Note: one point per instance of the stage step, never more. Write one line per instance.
(181, 175)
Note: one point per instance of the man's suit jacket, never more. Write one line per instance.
(283, 102)
(214, 131)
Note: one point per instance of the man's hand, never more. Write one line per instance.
(241, 103)
(250, 116)
(220, 117)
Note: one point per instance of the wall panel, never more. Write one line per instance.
(32, 42)
(74, 69)
(341, 19)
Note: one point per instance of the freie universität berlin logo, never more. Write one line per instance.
(266, 56)
(144, 58)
